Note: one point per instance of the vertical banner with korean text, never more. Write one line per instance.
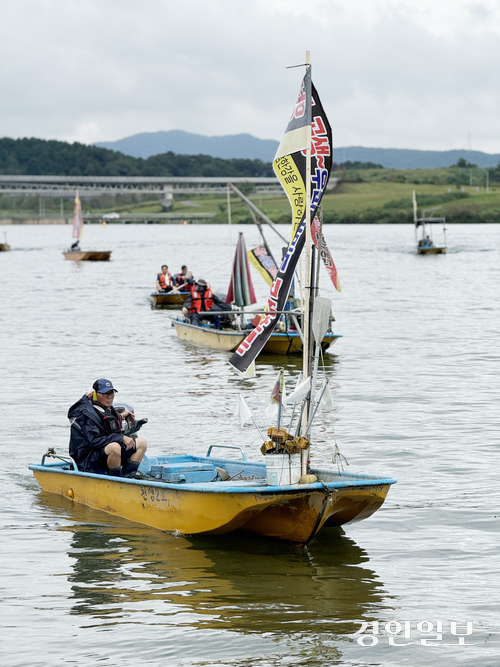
(290, 167)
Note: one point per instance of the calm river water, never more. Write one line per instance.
(416, 394)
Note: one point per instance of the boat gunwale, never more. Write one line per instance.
(235, 332)
(170, 294)
(361, 480)
(85, 255)
(205, 328)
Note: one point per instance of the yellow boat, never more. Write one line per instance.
(186, 494)
(430, 250)
(290, 342)
(228, 340)
(217, 339)
(168, 299)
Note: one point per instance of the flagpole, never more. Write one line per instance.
(307, 277)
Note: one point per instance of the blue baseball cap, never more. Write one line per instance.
(103, 386)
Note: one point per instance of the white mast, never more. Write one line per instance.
(307, 282)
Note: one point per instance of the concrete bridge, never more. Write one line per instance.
(163, 186)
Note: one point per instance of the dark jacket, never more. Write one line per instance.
(88, 437)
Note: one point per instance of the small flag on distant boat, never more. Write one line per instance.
(78, 218)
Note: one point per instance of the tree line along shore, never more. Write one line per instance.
(365, 193)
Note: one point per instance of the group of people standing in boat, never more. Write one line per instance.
(180, 282)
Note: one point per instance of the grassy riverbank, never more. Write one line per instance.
(362, 196)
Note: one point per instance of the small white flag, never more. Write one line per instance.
(326, 402)
(272, 411)
(300, 392)
(242, 412)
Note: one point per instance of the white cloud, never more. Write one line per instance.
(397, 73)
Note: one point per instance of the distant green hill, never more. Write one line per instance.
(37, 157)
(240, 146)
(406, 158)
(146, 144)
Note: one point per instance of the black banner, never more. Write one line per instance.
(291, 170)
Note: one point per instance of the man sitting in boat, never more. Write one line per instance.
(97, 443)
(202, 299)
(182, 281)
(425, 243)
(164, 280)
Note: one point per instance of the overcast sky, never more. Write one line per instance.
(391, 73)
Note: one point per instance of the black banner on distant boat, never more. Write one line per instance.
(291, 171)
(263, 262)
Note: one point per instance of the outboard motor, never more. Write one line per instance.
(129, 425)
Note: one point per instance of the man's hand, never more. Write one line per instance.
(128, 413)
(128, 442)
(185, 312)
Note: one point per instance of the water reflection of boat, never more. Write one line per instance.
(75, 253)
(239, 585)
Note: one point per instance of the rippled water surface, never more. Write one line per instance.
(416, 394)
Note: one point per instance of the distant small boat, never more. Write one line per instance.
(4, 246)
(75, 253)
(425, 244)
(89, 255)
(168, 299)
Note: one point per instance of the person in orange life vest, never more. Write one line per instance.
(183, 280)
(202, 299)
(164, 280)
